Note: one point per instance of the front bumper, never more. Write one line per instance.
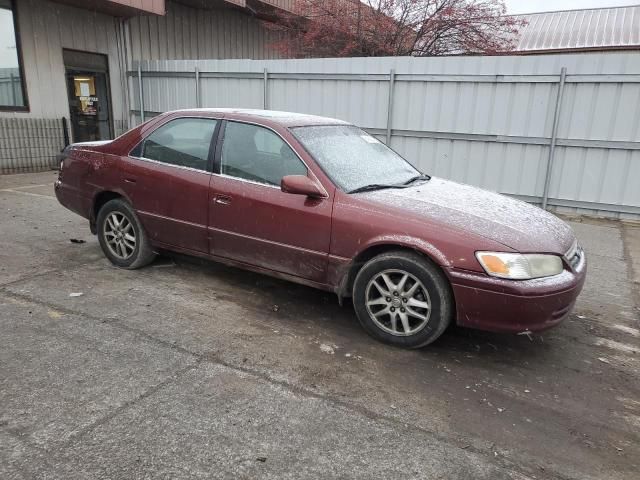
(514, 306)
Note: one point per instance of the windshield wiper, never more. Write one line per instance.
(380, 186)
(375, 186)
(416, 178)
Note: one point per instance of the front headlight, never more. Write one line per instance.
(518, 266)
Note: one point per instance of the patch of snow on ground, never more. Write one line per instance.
(328, 349)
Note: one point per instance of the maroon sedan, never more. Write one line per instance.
(320, 202)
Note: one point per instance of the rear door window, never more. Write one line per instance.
(184, 142)
(257, 154)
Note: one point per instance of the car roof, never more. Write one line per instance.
(286, 119)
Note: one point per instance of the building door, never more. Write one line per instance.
(87, 77)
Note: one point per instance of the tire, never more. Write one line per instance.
(122, 237)
(423, 307)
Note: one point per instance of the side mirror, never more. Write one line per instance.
(302, 185)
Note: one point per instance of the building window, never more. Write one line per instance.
(12, 90)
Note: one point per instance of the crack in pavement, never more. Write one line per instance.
(74, 437)
(214, 359)
(47, 272)
(104, 320)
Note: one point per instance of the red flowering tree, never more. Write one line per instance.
(352, 28)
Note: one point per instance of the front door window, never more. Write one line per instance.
(257, 154)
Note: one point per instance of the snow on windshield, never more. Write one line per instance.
(352, 158)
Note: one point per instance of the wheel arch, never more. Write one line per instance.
(426, 250)
(99, 200)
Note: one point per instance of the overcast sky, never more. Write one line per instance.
(528, 6)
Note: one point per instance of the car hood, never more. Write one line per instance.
(513, 223)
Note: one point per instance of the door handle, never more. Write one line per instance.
(129, 180)
(222, 200)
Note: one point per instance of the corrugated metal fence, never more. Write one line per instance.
(30, 144)
(558, 128)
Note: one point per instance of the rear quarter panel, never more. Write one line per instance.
(86, 173)
(92, 169)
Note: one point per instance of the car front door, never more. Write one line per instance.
(167, 177)
(251, 220)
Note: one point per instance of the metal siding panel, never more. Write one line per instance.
(603, 27)
(630, 193)
(178, 37)
(170, 35)
(154, 38)
(613, 182)
(192, 19)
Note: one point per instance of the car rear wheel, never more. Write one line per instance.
(402, 299)
(122, 238)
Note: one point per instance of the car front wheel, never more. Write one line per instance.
(122, 238)
(403, 299)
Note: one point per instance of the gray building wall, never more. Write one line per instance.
(46, 28)
(187, 33)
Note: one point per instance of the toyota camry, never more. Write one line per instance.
(321, 202)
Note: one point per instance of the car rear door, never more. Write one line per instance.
(167, 177)
(251, 220)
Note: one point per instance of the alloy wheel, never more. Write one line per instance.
(398, 302)
(120, 235)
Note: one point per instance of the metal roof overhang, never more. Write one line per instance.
(244, 4)
(130, 8)
(119, 8)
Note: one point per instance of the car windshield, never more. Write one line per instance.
(353, 159)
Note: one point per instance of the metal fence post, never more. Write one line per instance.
(140, 93)
(392, 82)
(554, 138)
(265, 93)
(198, 102)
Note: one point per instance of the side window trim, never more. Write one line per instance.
(213, 146)
(217, 159)
(217, 170)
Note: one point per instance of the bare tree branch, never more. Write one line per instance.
(395, 27)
